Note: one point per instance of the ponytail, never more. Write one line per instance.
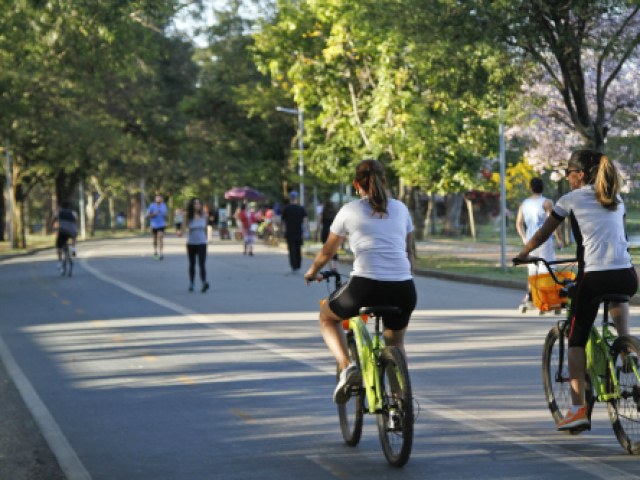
(607, 184)
(600, 172)
(370, 177)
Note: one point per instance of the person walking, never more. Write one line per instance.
(157, 213)
(178, 220)
(531, 216)
(294, 222)
(212, 222)
(197, 242)
(325, 219)
(597, 216)
(381, 237)
(249, 221)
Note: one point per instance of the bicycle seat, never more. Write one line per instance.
(611, 297)
(380, 311)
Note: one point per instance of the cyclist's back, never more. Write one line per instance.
(380, 235)
(67, 222)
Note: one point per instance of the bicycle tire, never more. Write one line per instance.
(351, 414)
(558, 393)
(65, 260)
(69, 261)
(624, 413)
(396, 435)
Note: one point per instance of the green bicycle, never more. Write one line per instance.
(386, 389)
(612, 369)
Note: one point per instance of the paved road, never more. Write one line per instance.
(140, 379)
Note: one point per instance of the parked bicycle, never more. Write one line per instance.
(386, 389)
(612, 368)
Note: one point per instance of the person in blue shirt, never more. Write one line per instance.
(157, 214)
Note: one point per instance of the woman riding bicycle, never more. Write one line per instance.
(380, 235)
(597, 217)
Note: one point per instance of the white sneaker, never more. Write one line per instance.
(59, 266)
(350, 377)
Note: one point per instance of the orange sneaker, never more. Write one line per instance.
(575, 420)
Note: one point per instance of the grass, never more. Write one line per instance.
(470, 266)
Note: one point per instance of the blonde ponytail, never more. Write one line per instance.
(607, 184)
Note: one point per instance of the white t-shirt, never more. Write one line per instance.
(379, 244)
(599, 233)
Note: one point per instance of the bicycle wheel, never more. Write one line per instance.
(69, 261)
(624, 412)
(557, 386)
(351, 413)
(395, 421)
(65, 260)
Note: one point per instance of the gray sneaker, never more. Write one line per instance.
(350, 377)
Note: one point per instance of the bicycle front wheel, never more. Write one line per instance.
(624, 412)
(395, 421)
(556, 381)
(351, 413)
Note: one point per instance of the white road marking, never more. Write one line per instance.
(541, 447)
(64, 453)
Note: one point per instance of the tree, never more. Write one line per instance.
(386, 80)
(585, 49)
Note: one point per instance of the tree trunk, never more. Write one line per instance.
(51, 212)
(19, 237)
(90, 210)
(417, 214)
(472, 222)
(133, 219)
(66, 185)
(3, 213)
(112, 213)
(453, 202)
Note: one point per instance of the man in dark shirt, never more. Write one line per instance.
(294, 220)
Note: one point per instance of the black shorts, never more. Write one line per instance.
(156, 230)
(178, 226)
(62, 238)
(589, 285)
(361, 292)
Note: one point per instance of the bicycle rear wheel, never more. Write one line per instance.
(69, 261)
(395, 421)
(351, 413)
(624, 412)
(557, 385)
(65, 260)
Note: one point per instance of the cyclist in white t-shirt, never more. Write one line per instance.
(380, 235)
(597, 217)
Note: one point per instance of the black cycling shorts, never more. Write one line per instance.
(361, 292)
(61, 239)
(592, 284)
(156, 230)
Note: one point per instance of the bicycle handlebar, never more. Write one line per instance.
(327, 274)
(566, 281)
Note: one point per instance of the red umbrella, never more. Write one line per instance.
(244, 193)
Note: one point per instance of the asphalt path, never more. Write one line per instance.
(130, 376)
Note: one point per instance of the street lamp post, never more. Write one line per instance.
(300, 146)
(503, 197)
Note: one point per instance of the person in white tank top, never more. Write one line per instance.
(532, 214)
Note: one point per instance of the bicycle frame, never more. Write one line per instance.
(600, 364)
(368, 351)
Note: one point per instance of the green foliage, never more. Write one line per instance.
(386, 80)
